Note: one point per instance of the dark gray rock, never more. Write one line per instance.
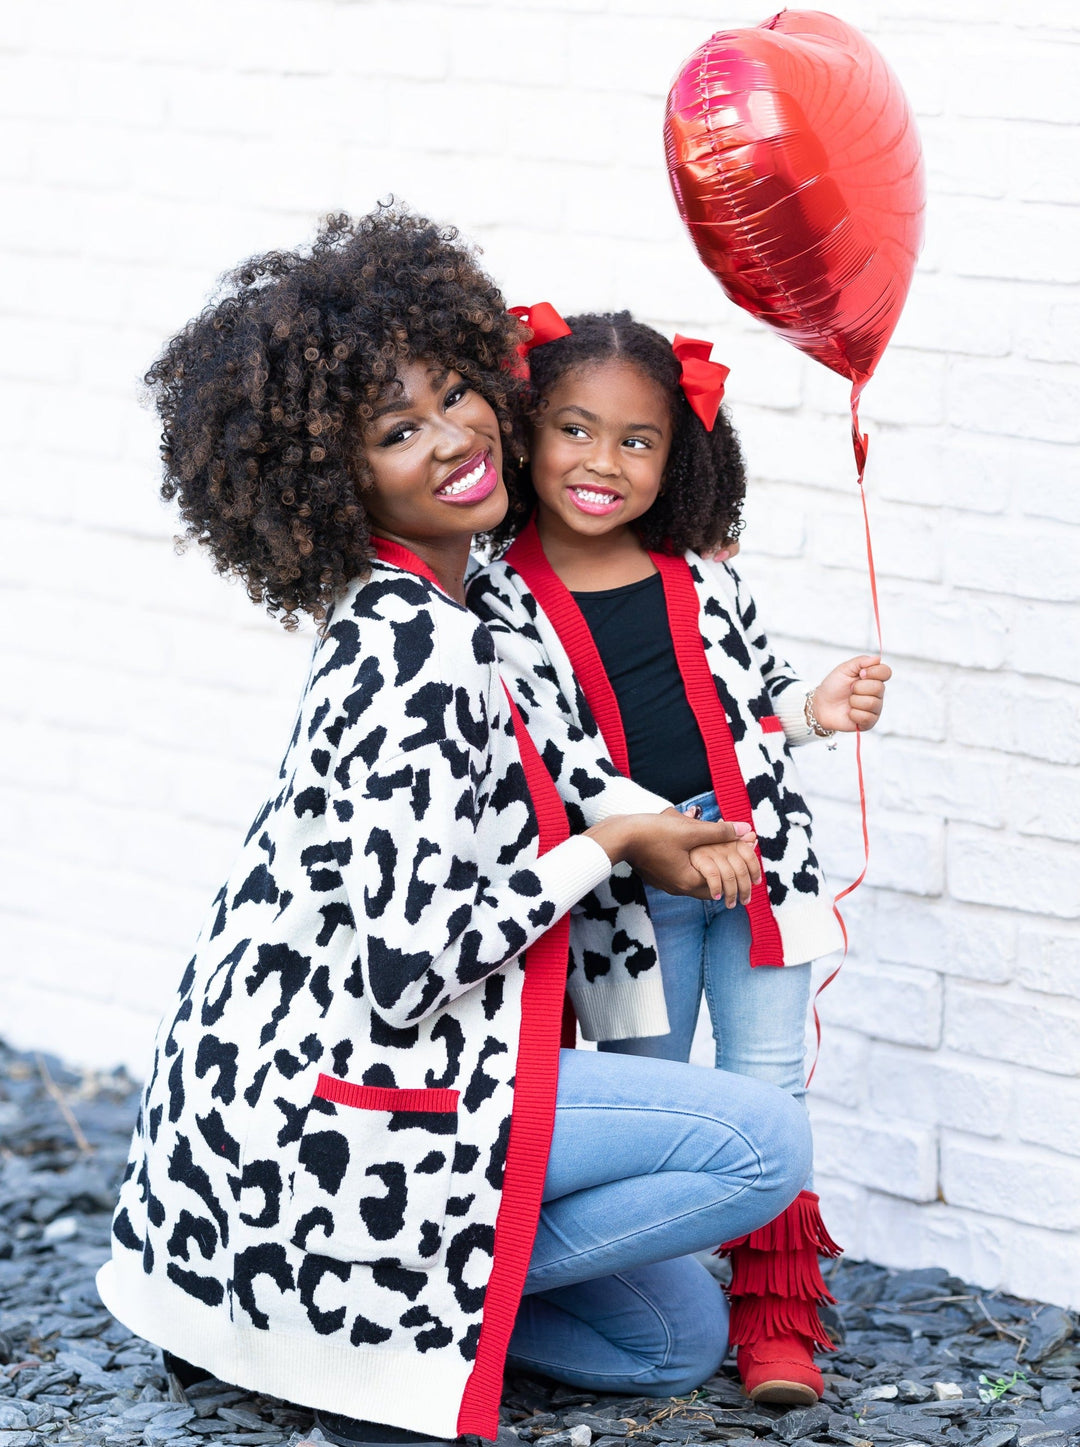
(1056, 1394)
(242, 1417)
(1002, 1434)
(915, 1428)
(802, 1422)
(1049, 1328)
(1031, 1432)
(911, 1391)
(1065, 1419)
(578, 1417)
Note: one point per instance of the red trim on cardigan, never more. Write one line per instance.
(770, 724)
(532, 1122)
(528, 559)
(683, 607)
(400, 556)
(384, 1097)
(536, 1083)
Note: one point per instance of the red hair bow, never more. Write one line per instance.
(543, 321)
(546, 325)
(701, 380)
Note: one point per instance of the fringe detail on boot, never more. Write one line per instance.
(776, 1281)
(777, 1273)
(757, 1318)
(799, 1226)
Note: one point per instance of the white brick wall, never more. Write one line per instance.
(144, 148)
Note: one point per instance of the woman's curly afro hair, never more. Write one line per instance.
(264, 397)
(700, 504)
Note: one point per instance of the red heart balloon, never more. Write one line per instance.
(796, 165)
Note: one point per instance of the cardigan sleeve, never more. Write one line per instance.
(438, 898)
(787, 690)
(562, 728)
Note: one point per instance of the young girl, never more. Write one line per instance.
(607, 613)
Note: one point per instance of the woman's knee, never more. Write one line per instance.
(696, 1313)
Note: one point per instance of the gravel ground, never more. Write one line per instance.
(922, 1358)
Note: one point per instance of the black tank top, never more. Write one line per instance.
(630, 628)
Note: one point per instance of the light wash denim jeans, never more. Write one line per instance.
(758, 1015)
(650, 1161)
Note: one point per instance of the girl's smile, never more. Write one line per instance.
(595, 501)
(599, 449)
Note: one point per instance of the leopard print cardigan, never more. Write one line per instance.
(324, 1146)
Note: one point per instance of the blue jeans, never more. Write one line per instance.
(758, 1015)
(650, 1160)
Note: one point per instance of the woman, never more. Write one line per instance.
(357, 1108)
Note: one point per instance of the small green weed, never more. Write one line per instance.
(994, 1390)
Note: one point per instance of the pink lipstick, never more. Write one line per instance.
(471, 482)
(596, 501)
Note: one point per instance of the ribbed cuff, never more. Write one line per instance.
(623, 796)
(614, 1009)
(790, 709)
(571, 869)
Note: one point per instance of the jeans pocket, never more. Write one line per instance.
(373, 1173)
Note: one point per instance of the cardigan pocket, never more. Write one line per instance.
(373, 1173)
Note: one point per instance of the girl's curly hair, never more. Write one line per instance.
(700, 504)
(264, 397)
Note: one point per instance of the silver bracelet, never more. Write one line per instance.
(811, 718)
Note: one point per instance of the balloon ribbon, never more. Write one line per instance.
(861, 444)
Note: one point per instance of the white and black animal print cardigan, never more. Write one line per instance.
(336, 1175)
(756, 700)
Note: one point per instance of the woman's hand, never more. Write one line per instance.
(659, 847)
(852, 696)
(721, 552)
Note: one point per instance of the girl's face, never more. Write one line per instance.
(434, 456)
(600, 447)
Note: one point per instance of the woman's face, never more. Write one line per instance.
(434, 457)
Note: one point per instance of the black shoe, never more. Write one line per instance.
(348, 1432)
(184, 1372)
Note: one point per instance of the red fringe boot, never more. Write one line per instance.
(776, 1286)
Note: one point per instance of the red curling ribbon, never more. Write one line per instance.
(861, 444)
(701, 380)
(546, 325)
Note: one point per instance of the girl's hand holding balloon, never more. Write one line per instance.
(852, 696)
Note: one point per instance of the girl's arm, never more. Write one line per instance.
(786, 688)
(850, 697)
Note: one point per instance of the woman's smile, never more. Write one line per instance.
(470, 483)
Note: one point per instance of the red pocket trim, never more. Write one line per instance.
(384, 1097)
(770, 724)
